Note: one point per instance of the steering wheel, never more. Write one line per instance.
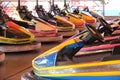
(94, 33)
(106, 26)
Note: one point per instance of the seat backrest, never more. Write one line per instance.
(42, 13)
(23, 12)
(22, 9)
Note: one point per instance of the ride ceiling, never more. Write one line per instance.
(43, 0)
(29, 0)
(15, 0)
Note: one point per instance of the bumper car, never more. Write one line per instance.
(42, 30)
(39, 35)
(58, 63)
(77, 21)
(109, 41)
(65, 27)
(108, 45)
(88, 19)
(15, 38)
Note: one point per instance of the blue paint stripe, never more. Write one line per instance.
(82, 78)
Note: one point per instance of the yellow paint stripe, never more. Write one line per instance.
(90, 64)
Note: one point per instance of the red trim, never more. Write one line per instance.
(111, 38)
(54, 27)
(79, 25)
(13, 25)
(116, 31)
(105, 46)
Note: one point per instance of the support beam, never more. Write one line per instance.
(103, 3)
(18, 4)
(37, 3)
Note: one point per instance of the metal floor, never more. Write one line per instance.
(17, 63)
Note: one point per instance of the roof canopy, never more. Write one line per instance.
(45, 0)
(15, 0)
